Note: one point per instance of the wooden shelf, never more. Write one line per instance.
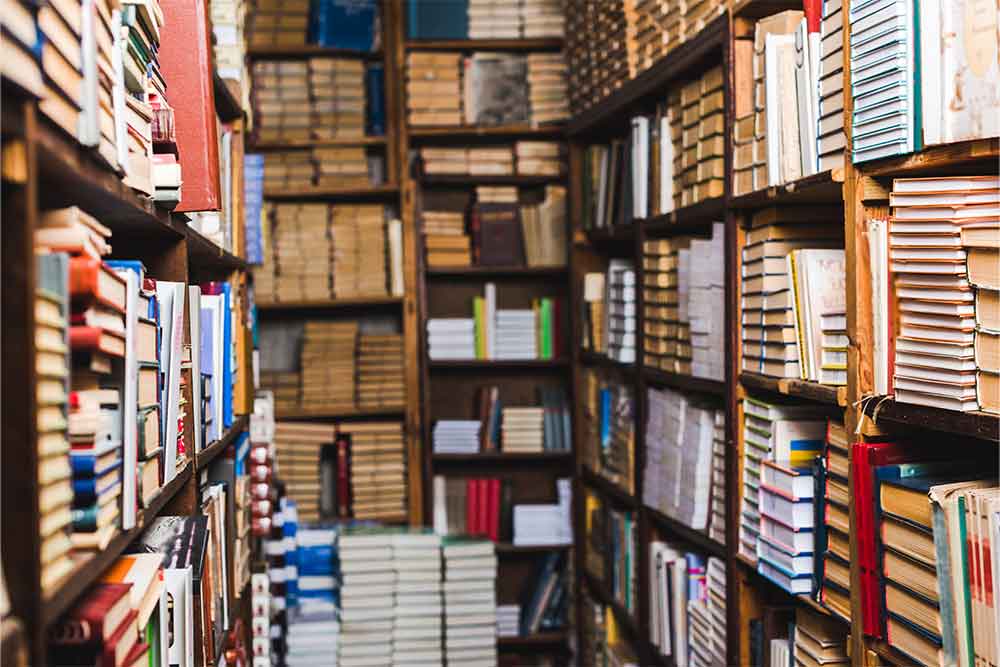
(480, 272)
(507, 548)
(591, 358)
(520, 180)
(613, 235)
(371, 413)
(688, 219)
(684, 382)
(676, 529)
(893, 655)
(309, 51)
(227, 105)
(471, 132)
(825, 187)
(981, 152)
(608, 489)
(804, 600)
(979, 425)
(205, 256)
(496, 458)
(370, 192)
(690, 56)
(810, 391)
(498, 364)
(89, 570)
(332, 304)
(212, 451)
(555, 638)
(535, 44)
(293, 144)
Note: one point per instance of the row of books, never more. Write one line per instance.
(641, 32)
(793, 318)
(609, 311)
(784, 635)
(604, 641)
(687, 603)
(484, 19)
(685, 473)
(355, 27)
(344, 470)
(319, 252)
(323, 167)
(940, 250)
(486, 507)
(499, 229)
(545, 599)
(611, 550)
(524, 158)
(608, 438)
(485, 89)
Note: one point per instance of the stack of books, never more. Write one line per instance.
(537, 524)
(542, 18)
(297, 263)
(937, 345)
(298, 447)
(516, 335)
(456, 436)
(677, 477)
(433, 88)
(548, 92)
(285, 387)
(702, 165)
(621, 307)
(377, 469)
(717, 521)
(539, 158)
(367, 596)
(818, 296)
(328, 365)
(834, 540)
(980, 242)
(228, 18)
(278, 23)
(787, 543)
(470, 607)
(260, 614)
(706, 269)
(661, 302)
(832, 141)
(416, 629)
(609, 435)
(446, 161)
(817, 638)
(312, 624)
(492, 161)
(522, 429)
(341, 167)
(508, 620)
(773, 432)
(359, 250)
(338, 98)
(447, 248)
(833, 329)
(380, 371)
(496, 194)
(288, 170)
(770, 298)
(494, 19)
(451, 338)
(55, 492)
(647, 36)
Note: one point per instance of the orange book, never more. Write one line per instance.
(92, 281)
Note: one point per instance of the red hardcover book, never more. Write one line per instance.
(118, 646)
(494, 515)
(91, 281)
(483, 507)
(95, 618)
(185, 57)
(471, 505)
(139, 655)
(96, 339)
(343, 445)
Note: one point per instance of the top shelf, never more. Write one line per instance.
(309, 51)
(537, 44)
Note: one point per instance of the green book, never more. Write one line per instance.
(546, 328)
(479, 313)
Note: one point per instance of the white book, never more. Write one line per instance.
(171, 300)
(194, 324)
(130, 400)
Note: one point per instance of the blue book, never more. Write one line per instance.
(242, 451)
(227, 358)
(344, 24)
(88, 466)
(133, 265)
(253, 202)
(375, 87)
(90, 490)
(438, 19)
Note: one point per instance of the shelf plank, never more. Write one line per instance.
(495, 271)
(212, 451)
(332, 304)
(677, 529)
(613, 235)
(810, 391)
(689, 56)
(684, 382)
(935, 158)
(591, 358)
(498, 364)
(371, 413)
(541, 640)
(205, 256)
(608, 488)
(89, 570)
(687, 219)
(496, 458)
(293, 144)
(979, 425)
(804, 600)
(626, 619)
(309, 51)
(522, 180)
(332, 194)
(528, 44)
(470, 132)
(507, 548)
(825, 187)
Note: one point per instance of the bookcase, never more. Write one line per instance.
(860, 192)
(43, 168)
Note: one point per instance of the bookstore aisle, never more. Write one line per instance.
(477, 332)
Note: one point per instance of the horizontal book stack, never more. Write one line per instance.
(367, 596)
(329, 365)
(470, 619)
(508, 620)
(343, 167)
(297, 261)
(522, 429)
(278, 23)
(787, 543)
(773, 338)
(285, 386)
(451, 338)
(494, 19)
(621, 307)
(833, 345)
(456, 436)
(493, 161)
(433, 88)
(677, 479)
(380, 371)
(289, 170)
(937, 346)
(818, 639)
(418, 610)
(539, 158)
(705, 266)
(983, 249)
(701, 165)
(298, 447)
(609, 437)
(537, 524)
(228, 18)
(512, 335)
(832, 530)
(786, 432)
(548, 88)
(377, 469)
(542, 18)
(359, 250)
(445, 239)
(654, 27)
(544, 229)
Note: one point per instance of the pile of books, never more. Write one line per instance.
(456, 436)
(311, 621)
(451, 338)
(609, 431)
(513, 336)
(787, 542)
(433, 88)
(278, 23)
(832, 537)
(367, 595)
(470, 573)
(542, 18)
(621, 307)
(298, 447)
(677, 477)
(548, 92)
(493, 161)
(702, 165)
(538, 524)
(445, 239)
(539, 158)
(593, 337)
(328, 365)
(341, 167)
(377, 469)
(418, 610)
(774, 306)
(819, 301)
(285, 386)
(522, 429)
(359, 266)
(833, 347)
(705, 283)
(817, 637)
(380, 371)
(508, 620)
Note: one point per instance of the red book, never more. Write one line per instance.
(118, 647)
(471, 505)
(96, 339)
(95, 618)
(494, 515)
(185, 57)
(343, 445)
(139, 655)
(92, 281)
(483, 507)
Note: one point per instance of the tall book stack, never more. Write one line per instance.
(288, 170)
(341, 167)
(834, 344)
(494, 19)
(702, 117)
(679, 450)
(706, 303)
(836, 522)
(62, 89)
(55, 493)
(298, 446)
(433, 88)
(542, 18)
(832, 139)
(786, 548)
(278, 23)
(377, 469)
(937, 347)
(285, 386)
(539, 158)
(983, 256)
(492, 161)
(416, 628)
(470, 573)
(451, 338)
(773, 432)
(547, 86)
(445, 161)
(359, 250)
(456, 436)
(621, 322)
(445, 239)
(329, 365)
(311, 621)
(770, 328)
(717, 521)
(338, 97)
(516, 335)
(648, 35)
(297, 263)
(367, 596)
(380, 371)
(228, 18)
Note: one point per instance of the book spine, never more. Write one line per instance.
(471, 505)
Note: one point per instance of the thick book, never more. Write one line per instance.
(95, 618)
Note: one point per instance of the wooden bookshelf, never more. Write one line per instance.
(487, 459)
(293, 144)
(309, 51)
(211, 451)
(495, 272)
(810, 391)
(347, 415)
(464, 133)
(536, 641)
(498, 365)
(333, 304)
(519, 180)
(333, 194)
(822, 188)
(515, 45)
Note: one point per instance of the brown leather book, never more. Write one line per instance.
(497, 236)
